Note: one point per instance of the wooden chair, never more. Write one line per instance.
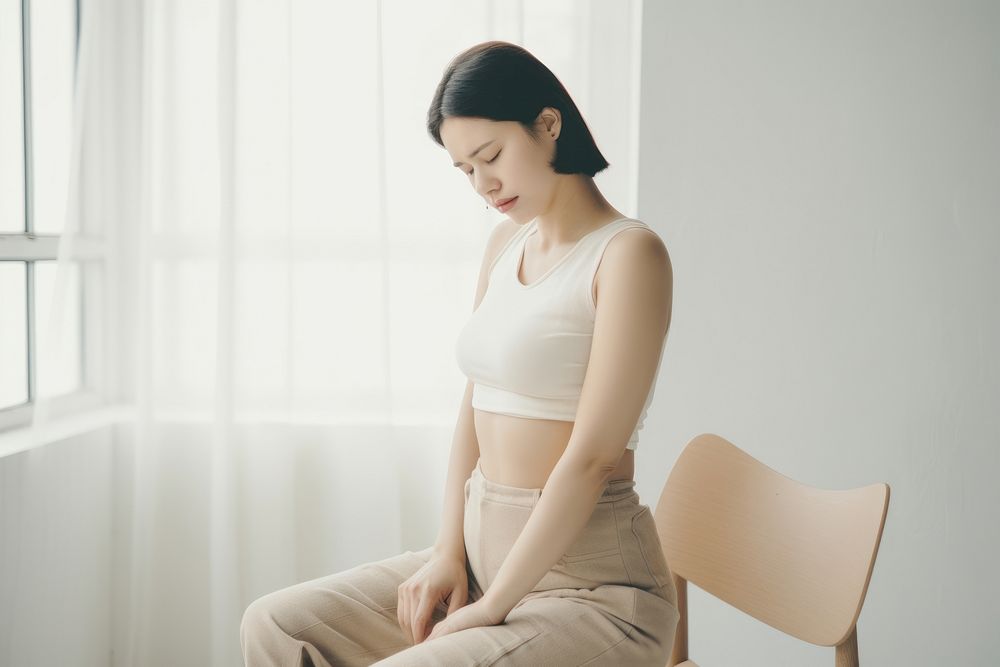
(794, 556)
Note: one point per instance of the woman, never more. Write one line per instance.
(545, 555)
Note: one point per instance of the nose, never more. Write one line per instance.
(484, 184)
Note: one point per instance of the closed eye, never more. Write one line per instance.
(490, 161)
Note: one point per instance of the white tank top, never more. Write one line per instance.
(526, 347)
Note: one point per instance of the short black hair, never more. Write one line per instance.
(504, 82)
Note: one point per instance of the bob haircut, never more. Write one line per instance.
(501, 81)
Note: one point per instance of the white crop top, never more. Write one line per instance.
(526, 347)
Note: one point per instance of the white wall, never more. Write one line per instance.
(827, 178)
(56, 579)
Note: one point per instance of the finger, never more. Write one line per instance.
(404, 614)
(420, 617)
(458, 598)
(440, 628)
(399, 607)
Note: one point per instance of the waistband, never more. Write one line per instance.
(514, 495)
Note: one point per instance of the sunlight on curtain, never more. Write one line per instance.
(290, 260)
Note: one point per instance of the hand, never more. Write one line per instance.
(477, 614)
(442, 578)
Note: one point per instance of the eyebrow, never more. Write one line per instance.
(455, 164)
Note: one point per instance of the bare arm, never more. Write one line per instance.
(465, 444)
(464, 454)
(632, 318)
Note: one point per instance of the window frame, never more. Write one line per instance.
(28, 247)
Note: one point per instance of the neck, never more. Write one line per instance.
(577, 207)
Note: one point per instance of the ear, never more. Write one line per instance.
(551, 120)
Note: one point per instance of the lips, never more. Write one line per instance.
(503, 203)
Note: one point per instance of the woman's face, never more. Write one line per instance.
(501, 161)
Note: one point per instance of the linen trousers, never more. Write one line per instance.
(609, 600)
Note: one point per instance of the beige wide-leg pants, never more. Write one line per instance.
(609, 600)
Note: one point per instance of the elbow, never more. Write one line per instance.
(596, 466)
(591, 452)
(605, 469)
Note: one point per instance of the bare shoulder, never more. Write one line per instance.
(636, 253)
(636, 243)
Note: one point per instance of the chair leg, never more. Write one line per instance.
(847, 650)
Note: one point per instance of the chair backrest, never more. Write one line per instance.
(796, 557)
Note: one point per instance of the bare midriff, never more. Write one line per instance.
(521, 452)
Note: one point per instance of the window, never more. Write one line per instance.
(41, 348)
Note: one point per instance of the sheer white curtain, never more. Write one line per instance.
(290, 258)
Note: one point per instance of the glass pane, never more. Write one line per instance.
(53, 49)
(13, 334)
(11, 128)
(58, 337)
